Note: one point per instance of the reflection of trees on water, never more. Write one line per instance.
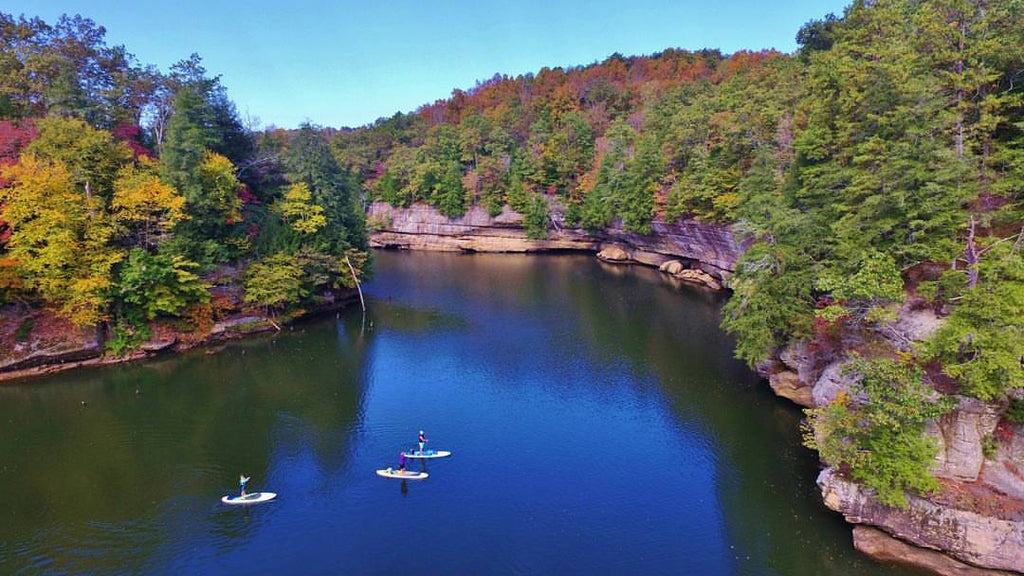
(157, 441)
(765, 478)
(406, 319)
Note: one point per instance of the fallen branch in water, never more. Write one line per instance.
(362, 303)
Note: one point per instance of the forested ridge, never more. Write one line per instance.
(131, 195)
(879, 166)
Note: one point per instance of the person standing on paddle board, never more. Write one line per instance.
(401, 462)
(422, 440)
(242, 481)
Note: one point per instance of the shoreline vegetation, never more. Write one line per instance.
(139, 213)
(873, 179)
(73, 349)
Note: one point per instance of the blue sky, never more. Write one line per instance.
(343, 63)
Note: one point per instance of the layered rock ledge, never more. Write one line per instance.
(885, 548)
(993, 541)
(709, 248)
(976, 520)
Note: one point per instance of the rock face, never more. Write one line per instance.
(833, 381)
(960, 434)
(977, 520)
(677, 269)
(614, 254)
(788, 385)
(244, 323)
(791, 374)
(699, 277)
(799, 357)
(911, 325)
(885, 548)
(823, 379)
(672, 267)
(984, 541)
(159, 343)
(42, 339)
(1004, 471)
(422, 227)
(708, 247)
(796, 375)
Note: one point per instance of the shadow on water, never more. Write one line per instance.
(408, 319)
(765, 486)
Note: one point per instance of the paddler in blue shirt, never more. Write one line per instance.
(242, 480)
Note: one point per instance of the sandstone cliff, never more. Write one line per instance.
(978, 517)
(993, 540)
(33, 338)
(709, 248)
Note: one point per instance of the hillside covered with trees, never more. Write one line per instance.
(881, 163)
(131, 195)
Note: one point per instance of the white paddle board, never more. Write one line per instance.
(254, 498)
(427, 454)
(407, 475)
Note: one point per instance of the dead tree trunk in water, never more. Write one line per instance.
(362, 303)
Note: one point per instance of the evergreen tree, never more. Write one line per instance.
(310, 162)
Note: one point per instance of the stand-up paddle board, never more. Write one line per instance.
(427, 454)
(407, 475)
(254, 498)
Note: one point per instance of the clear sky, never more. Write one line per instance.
(346, 63)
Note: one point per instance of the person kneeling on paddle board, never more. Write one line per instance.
(242, 480)
(422, 440)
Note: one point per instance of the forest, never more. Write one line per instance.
(879, 164)
(130, 195)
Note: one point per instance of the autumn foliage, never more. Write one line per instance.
(125, 190)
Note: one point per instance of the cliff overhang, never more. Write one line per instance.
(710, 248)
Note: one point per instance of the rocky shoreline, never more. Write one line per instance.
(974, 526)
(55, 345)
(977, 519)
(709, 249)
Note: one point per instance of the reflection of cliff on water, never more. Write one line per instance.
(765, 488)
(87, 457)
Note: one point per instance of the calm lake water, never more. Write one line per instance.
(598, 422)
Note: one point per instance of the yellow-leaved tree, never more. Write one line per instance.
(91, 157)
(60, 238)
(146, 205)
(219, 188)
(298, 209)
